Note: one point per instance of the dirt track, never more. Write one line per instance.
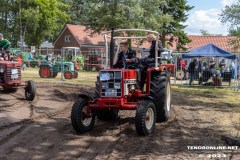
(42, 129)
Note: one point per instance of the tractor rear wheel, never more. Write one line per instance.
(180, 74)
(30, 91)
(160, 90)
(68, 75)
(45, 72)
(145, 118)
(80, 119)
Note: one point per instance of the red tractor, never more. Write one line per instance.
(117, 89)
(10, 79)
(177, 69)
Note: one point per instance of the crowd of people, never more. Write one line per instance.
(198, 65)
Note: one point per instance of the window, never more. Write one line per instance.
(67, 38)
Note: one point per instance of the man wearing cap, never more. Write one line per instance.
(4, 44)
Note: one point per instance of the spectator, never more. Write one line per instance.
(232, 68)
(49, 58)
(212, 66)
(238, 67)
(199, 66)
(30, 56)
(59, 58)
(205, 64)
(222, 65)
(191, 70)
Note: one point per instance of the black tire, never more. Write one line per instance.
(107, 114)
(160, 90)
(80, 122)
(30, 90)
(145, 118)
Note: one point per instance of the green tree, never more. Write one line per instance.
(231, 15)
(107, 14)
(178, 10)
(42, 20)
(204, 32)
(8, 13)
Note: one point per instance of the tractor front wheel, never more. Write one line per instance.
(68, 75)
(145, 118)
(30, 91)
(81, 120)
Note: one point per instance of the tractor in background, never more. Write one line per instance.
(51, 70)
(11, 79)
(73, 54)
(175, 64)
(119, 89)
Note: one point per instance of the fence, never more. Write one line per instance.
(183, 72)
(218, 72)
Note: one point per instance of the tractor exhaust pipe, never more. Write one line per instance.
(111, 49)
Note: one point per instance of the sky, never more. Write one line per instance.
(205, 15)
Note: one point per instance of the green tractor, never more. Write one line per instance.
(49, 70)
(73, 54)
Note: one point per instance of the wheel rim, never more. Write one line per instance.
(168, 96)
(180, 74)
(68, 75)
(86, 120)
(149, 118)
(45, 72)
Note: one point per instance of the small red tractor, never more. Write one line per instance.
(10, 79)
(118, 89)
(177, 69)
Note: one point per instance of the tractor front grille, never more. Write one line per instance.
(13, 73)
(111, 83)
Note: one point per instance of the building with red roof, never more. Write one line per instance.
(82, 37)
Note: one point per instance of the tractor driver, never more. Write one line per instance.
(125, 55)
(4, 45)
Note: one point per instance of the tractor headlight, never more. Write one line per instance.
(104, 85)
(1, 70)
(117, 85)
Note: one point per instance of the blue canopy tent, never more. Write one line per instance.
(209, 50)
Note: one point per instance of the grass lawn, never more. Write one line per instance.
(84, 77)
